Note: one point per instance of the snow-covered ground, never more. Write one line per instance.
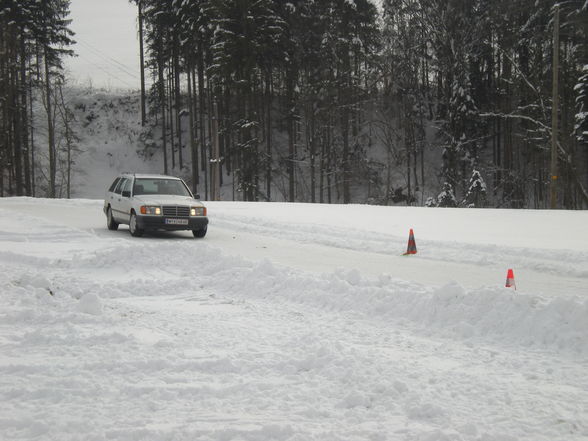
(294, 322)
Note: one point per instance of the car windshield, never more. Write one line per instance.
(160, 186)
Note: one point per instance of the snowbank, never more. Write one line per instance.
(493, 314)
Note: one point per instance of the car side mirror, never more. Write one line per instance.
(126, 194)
(196, 196)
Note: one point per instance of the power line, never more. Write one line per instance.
(110, 74)
(108, 59)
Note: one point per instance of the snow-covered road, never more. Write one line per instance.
(294, 322)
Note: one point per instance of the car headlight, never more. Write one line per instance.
(152, 210)
(198, 211)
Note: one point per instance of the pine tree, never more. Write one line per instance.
(476, 193)
(446, 198)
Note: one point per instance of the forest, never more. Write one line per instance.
(34, 38)
(469, 103)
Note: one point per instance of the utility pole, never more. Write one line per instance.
(215, 160)
(554, 109)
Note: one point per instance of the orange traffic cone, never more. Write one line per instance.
(411, 249)
(510, 281)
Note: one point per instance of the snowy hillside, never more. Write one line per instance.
(110, 140)
(294, 322)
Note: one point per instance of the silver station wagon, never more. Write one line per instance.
(152, 203)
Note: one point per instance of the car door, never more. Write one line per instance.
(125, 200)
(109, 197)
(116, 203)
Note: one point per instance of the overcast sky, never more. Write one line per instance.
(107, 45)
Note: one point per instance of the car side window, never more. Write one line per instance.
(113, 186)
(120, 186)
(127, 186)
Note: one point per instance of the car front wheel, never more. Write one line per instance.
(199, 233)
(110, 222)
(133, 228)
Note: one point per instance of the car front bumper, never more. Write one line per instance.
(153, 223)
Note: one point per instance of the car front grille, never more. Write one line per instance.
(176, 210)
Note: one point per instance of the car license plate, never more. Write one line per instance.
(176, 221)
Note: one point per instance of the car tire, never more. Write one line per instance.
(133, 228)
(110, 222)
(199, 233)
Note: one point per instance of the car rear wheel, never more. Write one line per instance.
(199, 233)
(133, 228)
(110, 222)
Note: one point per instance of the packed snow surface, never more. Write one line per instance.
(294, 322)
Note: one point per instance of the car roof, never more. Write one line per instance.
(149, 176)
